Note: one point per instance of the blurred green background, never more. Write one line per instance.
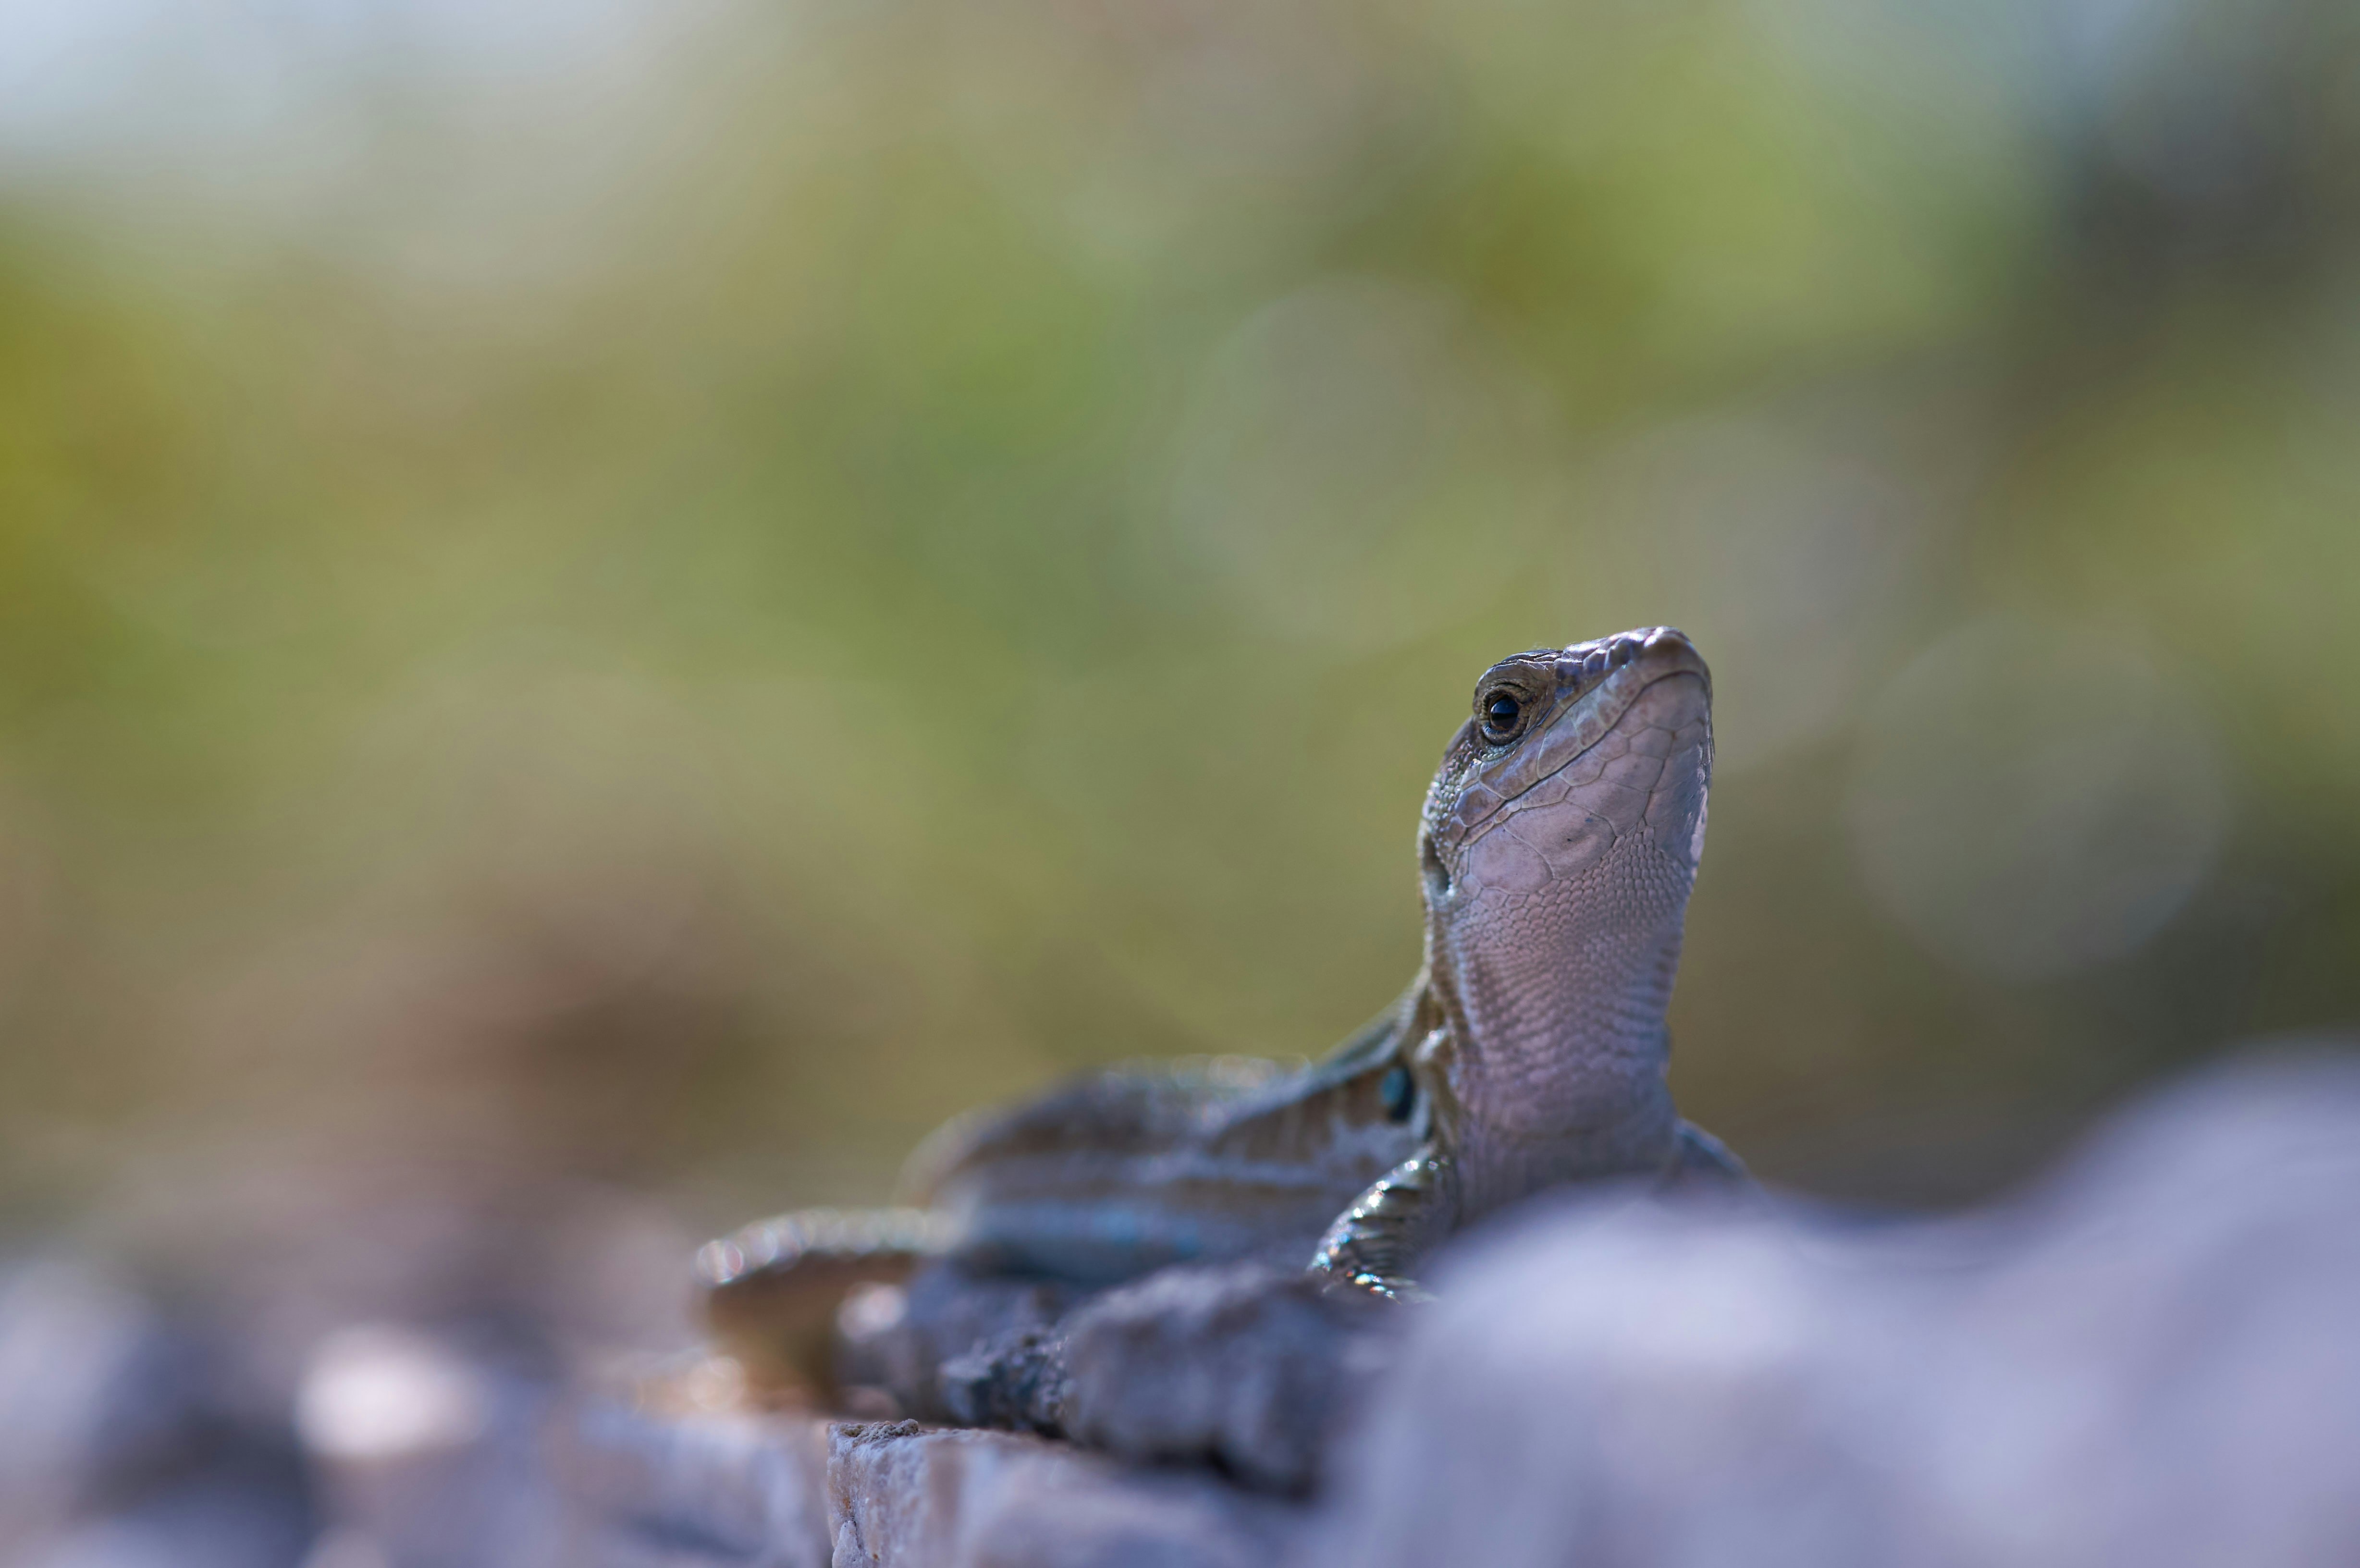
(651, 599)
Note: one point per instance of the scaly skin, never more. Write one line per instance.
(1558, 851)
(1559, 843)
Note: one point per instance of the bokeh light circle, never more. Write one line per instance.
(2030, 798)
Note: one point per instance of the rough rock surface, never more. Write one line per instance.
(787, 1493)
(904, 1496)
(708, 1489)
(2152, 1359)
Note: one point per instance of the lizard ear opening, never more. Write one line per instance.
(1429, 863)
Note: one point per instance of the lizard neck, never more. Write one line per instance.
(1550, 1033)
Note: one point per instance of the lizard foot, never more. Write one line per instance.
(1242, 1365)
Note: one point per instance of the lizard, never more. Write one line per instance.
(1557, 847)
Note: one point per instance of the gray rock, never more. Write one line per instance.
(2152, 1359)
(431, 1456)
(783, 1492)
(125, 1441)
(749, 1490)
(902, 1496)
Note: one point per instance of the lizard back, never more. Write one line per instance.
(1124, 1171)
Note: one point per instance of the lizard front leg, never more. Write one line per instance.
(1375, 1246)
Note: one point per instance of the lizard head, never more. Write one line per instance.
(1560, 841)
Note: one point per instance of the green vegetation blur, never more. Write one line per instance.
(667, 596)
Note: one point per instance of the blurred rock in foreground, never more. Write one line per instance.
(735, 1489)
(779, 1492)
(127, 1439)
(2150, 1358)
(2153, 1358)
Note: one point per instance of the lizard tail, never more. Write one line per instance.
(773, 1290)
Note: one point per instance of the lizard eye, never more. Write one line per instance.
(1502, 711)
(1398, 1092)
